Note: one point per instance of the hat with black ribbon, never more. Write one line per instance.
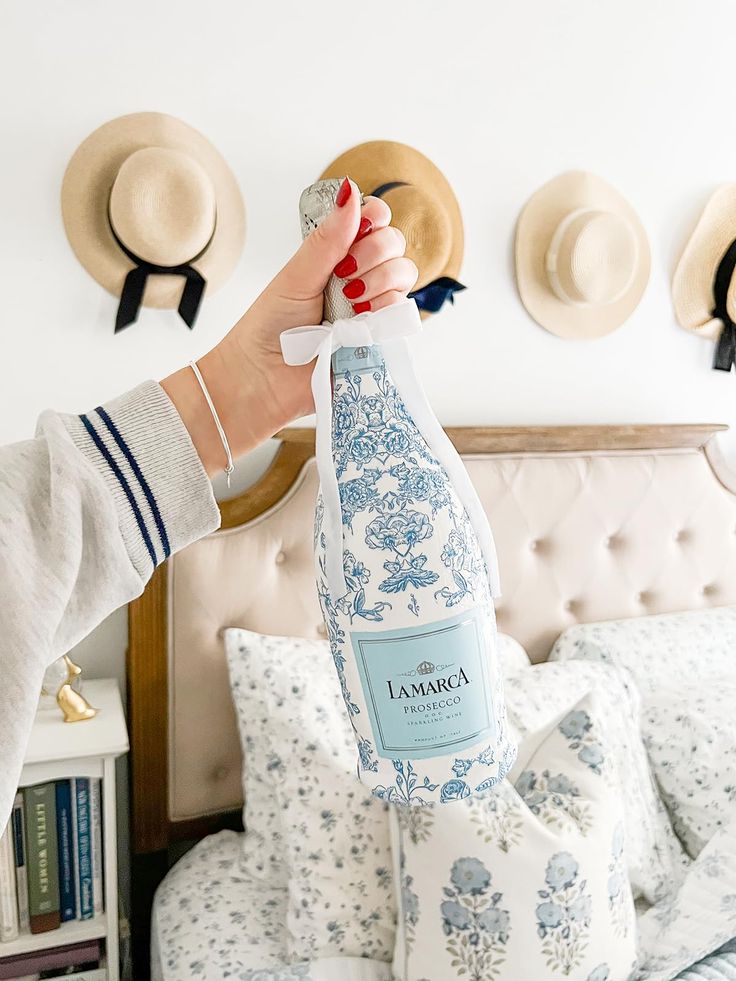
(423, 206)
(153, 213)
(704, 286)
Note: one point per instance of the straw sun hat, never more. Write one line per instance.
(422, 205)
(703, 288)
(153, 213)
(582, 256)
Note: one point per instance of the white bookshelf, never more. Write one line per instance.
(58, 750)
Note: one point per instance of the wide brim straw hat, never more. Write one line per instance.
(421, 199)
(693, 282)
(582, 256)
(152, 186)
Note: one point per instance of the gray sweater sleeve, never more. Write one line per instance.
(88, 509)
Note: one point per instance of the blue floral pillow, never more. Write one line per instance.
(691, 740)
(311, 827)
(526, 883)
(695, 645)
(536, 698)
(332, 836)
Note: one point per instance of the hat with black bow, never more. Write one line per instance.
(704, 285)
(153, 213)
(423, 207)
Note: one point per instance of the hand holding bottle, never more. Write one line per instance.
(256, 394)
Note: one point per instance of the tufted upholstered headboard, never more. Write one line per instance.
(590, 523)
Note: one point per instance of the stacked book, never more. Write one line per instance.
(70, 960)
(51, 868)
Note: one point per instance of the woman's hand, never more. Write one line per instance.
(254, 392)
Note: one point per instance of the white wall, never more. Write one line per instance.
(501, 96)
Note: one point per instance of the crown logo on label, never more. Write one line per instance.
(424, 667)
(361, 352)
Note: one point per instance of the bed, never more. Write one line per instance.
(591, 523)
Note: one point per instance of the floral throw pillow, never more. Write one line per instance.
(310, 824)
(332, 834)
(264, 844)
(697, 645)
(525, 884)
(536, 696)
(691, 740)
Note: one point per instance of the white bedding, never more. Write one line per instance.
(215, 919)
(210, 918)
(212, 921)
(697, 918)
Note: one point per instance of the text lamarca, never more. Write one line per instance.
(425, 688)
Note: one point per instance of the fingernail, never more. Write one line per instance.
(354, 289)
(362, 307)
(343, 194)
(364, 228)
(345, 267)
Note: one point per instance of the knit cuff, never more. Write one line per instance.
(143, 452)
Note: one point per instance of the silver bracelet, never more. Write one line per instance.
(226, 446)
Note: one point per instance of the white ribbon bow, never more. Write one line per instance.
(388, 327)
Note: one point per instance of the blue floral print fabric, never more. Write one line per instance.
(690, 736)
(535, 697)
(683, 670)
(333, 836)
(527, 882)
(212, 919)
(410, 556)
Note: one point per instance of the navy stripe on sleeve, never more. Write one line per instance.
(124, 484)
(148, 493)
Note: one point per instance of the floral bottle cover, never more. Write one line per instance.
(406, 578)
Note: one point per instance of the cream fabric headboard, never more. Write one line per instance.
(582, 535)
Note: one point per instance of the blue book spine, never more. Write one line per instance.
(84, 849)
(66, 852)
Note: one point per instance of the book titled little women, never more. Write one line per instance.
(43, 858)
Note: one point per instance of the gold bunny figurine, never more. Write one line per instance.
(74, 706)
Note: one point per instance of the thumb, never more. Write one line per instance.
(311, 267)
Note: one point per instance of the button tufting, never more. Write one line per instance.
(570, 605)
(643, 597)
(280, 557)
(609, 541)
(534, 544)
(322, 630)
(708, 589)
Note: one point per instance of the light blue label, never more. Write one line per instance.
(427, 688)
(356, 360)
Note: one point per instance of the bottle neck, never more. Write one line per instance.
(356, 360)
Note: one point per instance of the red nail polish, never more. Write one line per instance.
(345, 267)
(364, 228)
(354, 289)
(343, 194)
(362, 307)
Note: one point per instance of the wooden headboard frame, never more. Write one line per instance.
(152, 832)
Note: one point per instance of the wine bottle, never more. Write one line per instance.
(405, 560)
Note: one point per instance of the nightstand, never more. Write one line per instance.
(59, 750)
